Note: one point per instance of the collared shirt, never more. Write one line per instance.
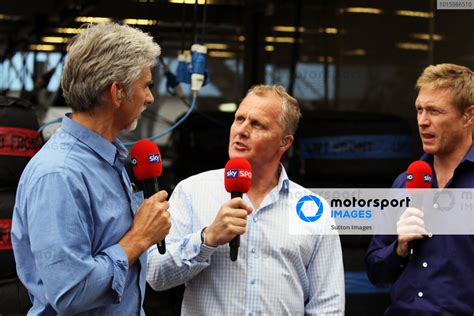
(74, 203)
(275, 273)
(440, 278)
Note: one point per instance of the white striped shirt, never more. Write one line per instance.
(275, 274)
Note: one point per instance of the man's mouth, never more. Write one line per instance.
(240, 146)
(427, 136)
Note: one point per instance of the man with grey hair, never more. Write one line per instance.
(79, 232)
(276, 273)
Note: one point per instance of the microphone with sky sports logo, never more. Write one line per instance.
(418, 176)
(147, 167)
(237, 181)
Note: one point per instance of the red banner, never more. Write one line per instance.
(5, 230)
(16, 141)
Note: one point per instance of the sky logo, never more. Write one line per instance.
(154, 158)
(309, 208)
(232, 173)
(427, 178)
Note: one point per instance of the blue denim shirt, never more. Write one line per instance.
(74, 203)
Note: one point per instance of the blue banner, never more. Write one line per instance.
(389, 146)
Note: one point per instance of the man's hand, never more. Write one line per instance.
(410, 227)
(150, 225)
(230, 221)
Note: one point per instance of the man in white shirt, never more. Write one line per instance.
(275, 273)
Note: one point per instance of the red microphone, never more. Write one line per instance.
(147, 167)
(418, 176)
(237, 180)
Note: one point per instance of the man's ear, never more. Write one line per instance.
(469, 116)
(286, 142)
(116, 93)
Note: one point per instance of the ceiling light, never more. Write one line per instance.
(413, 46)
(68, 30)
(361, 10)
(216, 46)
(140, 22)
(272, 39)
(329, 30)
(228, 107)
(55, 39)
(288, 29)
(355, 52)
(7, 17)
(269, 48)
(415, 14)
(42, 47)
(329, 59)
(92, 19)
(221, 54)
(201, 2)
(427, 37)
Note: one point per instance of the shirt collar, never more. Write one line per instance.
(283, 181)
(105, 149)
(469, 156)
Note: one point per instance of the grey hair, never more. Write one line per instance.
(100, 55)
(291, 113)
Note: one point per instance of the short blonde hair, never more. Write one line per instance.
(291, 113)
(459, 79)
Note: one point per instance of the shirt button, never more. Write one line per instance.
(430, 235)
(250, 314)
(253, 250)
(424, 264)
(435, 205)
(420, 294)
(252, 281)
(255, 218)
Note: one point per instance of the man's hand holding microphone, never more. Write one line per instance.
(152, 222)
(411, 226)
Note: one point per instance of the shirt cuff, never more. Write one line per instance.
(394, 261)
(120, 269)
(195, 249)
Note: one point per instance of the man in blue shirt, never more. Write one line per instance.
(439, 280)
(79, 232)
